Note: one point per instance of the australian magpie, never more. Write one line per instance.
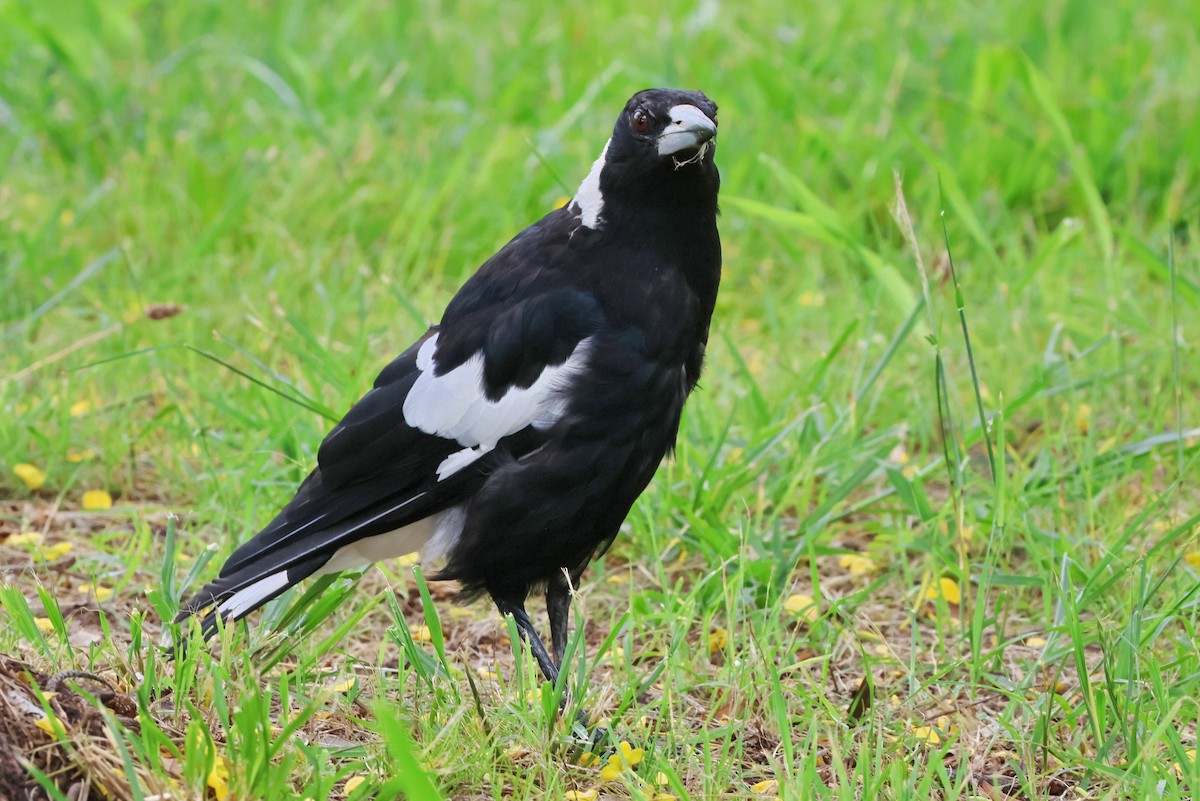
(509, 442)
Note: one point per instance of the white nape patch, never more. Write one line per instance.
(453, 405)
(389, 545)
(248, 598)
(588, 201)
(690, 127)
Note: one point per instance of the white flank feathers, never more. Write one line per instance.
(250, 597)
(445, 536)
(588, 201)
(389, 545)
(434, 537)
(452, 405)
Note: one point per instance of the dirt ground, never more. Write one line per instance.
(49, 725)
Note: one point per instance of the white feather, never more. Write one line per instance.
(389, 545)
(250, 597)
(434, 537)
(453, 405)
(589, 201)
(445, 536)
(458, 460)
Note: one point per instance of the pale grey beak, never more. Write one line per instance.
(689, 128)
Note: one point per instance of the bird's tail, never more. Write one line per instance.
(232, 597)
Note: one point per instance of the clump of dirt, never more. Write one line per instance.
(73, 745)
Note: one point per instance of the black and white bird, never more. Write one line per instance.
(510, 441)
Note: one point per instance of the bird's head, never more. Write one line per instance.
(666, 125)
(662, 146)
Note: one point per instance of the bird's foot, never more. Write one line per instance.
(588, 737)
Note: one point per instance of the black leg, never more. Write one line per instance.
(525, 626)
(558, 609)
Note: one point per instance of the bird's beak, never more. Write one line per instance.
(689, 128)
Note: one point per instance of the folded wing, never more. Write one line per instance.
(395, 471)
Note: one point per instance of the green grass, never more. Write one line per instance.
(309, 183)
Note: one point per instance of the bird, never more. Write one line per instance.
(510, 441)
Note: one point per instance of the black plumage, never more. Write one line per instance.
(511, 440)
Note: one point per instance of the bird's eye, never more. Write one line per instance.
(641, 121)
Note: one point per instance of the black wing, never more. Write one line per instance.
(384, 466)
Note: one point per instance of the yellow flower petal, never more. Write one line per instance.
(344, 686)
(1191, 754)
(1083, 418)
(26, 538)
(218, 778)
(857, 565)
(927, 734)
(409, 559)
(1192, 558)
(1035, 642)
(587, 759)
(80, 408)
(75, 456)
(51, 725)
(610, 772)
(48, 553)
(44, 625)
(580, 795)
(630, 755)
(422, 634)
(101, 592)
(96, 500)
(33, 476)
(352, 784)
(718, 639)
(764, 787)
(946, 589)
(802, 605)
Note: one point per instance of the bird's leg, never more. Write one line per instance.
(558, 609)
(525, 626)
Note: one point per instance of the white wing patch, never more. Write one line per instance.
(458, 460)
(588, 201)
(453, 405)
